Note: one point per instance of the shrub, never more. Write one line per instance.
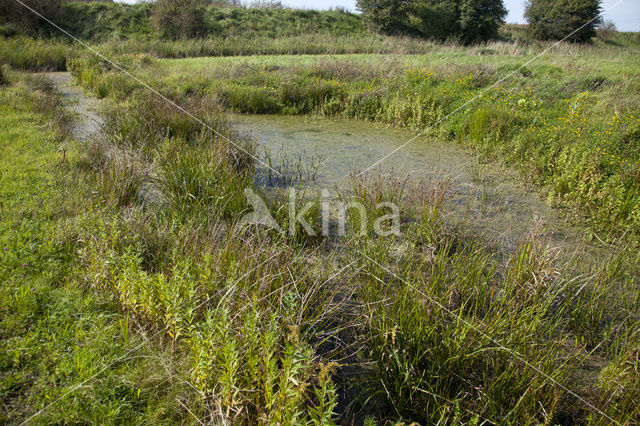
(179, 18)
(3, 78)
(607, 31)
(575, 20)
(24, 20)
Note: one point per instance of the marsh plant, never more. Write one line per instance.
(333, 215)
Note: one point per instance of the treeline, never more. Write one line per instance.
(468, 21)
(471, 21)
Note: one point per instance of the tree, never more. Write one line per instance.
(467, 20)
(479, 20)
(179, 18)
(438, 19)
(573, 20)
(387, 16)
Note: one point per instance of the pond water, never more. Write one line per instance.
(489, 196)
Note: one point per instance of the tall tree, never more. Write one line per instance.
(469, 21)
(575, 20)
(480, 20)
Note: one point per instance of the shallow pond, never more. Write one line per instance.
(489, 196)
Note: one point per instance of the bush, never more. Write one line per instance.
(575, 20)
(179, 18)
(3, 77)
(24, 20)
(607, 31)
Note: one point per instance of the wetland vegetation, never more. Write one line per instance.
(132, 293)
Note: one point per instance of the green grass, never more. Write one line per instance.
(55, 332)
(28, 54)
(100, 20)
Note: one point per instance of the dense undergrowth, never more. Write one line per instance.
(435, 326)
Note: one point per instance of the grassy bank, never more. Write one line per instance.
(569, 119)
(103, 21)
(56, 332)
(30, 54)
(436, 326)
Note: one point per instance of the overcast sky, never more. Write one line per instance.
(625, 13)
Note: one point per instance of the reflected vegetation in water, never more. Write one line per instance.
(488, 196)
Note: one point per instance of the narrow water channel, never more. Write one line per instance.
(491, 198)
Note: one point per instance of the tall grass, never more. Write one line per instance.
(454, 327)
(242, 45)
(437, 326)
(29, 54)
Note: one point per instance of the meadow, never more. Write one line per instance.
(131, 292)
